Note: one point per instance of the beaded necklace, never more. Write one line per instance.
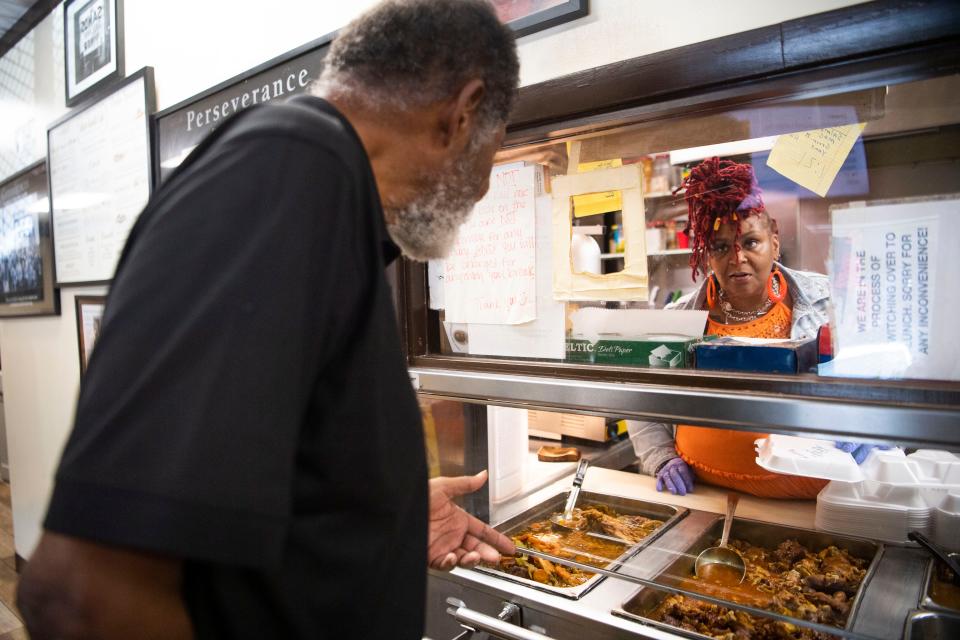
(737, 316)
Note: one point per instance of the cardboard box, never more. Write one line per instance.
(568, 424)
(758, 356)
(659, 351)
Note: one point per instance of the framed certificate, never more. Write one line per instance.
(99, 162)
(89, 317)
(93, 46)
(26, 252)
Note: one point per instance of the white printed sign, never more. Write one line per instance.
(490, 276)
(893, 311)
(100, 180)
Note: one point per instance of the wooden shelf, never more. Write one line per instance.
(667, 252)
(671, 252)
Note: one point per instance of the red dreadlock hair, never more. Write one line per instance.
(718, 192)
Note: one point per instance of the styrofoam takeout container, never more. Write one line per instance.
(900, 493)
(946, 522)
(807, 457)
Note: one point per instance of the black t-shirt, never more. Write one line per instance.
(247, 407)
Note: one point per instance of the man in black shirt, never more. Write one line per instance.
(247, 457)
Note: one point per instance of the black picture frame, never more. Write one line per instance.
(92, 47)
(529, 16)
(89, 311)
(82, 140)
(26, 248)
(179, 128)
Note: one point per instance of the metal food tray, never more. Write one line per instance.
(646, 599)
(624, 506)
(931, 625)
(927, 602)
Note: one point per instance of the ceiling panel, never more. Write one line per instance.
(17, 17)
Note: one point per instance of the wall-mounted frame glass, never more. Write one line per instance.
(529, 16)
(93, 47)
(26, 251)
(89, 316)
(99, 160)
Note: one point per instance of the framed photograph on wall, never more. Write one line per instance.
(26, 250)
(93, 46)
(529, 16)
(89, 316)
(99, 160)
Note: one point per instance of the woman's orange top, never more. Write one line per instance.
(727, 458)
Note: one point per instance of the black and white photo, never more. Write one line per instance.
(93, 46)
(26, 265)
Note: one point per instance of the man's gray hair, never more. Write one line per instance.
(405, 54)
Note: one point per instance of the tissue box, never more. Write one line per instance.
(758, 355)
(579, 350)
(662, 351)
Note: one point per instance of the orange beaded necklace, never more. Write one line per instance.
(775, 323)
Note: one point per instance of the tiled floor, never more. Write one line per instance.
(11, 627)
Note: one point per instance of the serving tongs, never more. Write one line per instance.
(565, 520)
(939, 553)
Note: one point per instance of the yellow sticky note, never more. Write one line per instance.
(591, 204)
(812, 159)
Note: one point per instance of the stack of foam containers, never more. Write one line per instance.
(899, 493)
(946, 522)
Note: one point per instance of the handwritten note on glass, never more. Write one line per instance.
(490, 276)
(812, 159)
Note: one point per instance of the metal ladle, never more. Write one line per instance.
(723, 554)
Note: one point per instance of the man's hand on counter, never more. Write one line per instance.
(456, 538)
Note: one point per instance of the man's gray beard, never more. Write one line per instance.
(427, 228)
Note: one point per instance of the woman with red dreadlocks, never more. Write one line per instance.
(736, 246)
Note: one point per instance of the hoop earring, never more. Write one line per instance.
(781, 281)
(711, 291)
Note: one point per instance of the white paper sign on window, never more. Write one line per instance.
(490, 276)
(893, 291)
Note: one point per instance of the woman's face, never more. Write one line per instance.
(743, 267)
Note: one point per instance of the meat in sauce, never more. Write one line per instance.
(577, 545)
(791, 580)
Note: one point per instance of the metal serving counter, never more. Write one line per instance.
(470, 599)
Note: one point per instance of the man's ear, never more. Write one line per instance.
(460, 116)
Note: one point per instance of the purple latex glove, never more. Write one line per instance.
(858, 450)
(676, 476)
